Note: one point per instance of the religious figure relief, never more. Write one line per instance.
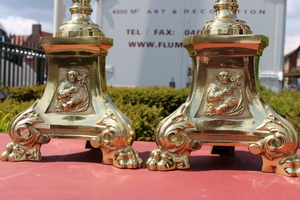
(224, 95)
(72, 93)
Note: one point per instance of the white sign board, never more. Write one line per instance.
(147, 37)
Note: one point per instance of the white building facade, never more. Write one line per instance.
(147, 37)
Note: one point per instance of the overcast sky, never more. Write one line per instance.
(17, 17)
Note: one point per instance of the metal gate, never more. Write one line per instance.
(22, 66)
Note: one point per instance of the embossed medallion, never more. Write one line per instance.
(72, 93)
(225, 95)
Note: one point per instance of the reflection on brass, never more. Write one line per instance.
(224, 107)
(75, 103)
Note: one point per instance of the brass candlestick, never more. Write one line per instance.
(76, 103)
(224, 107)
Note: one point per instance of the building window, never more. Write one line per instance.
(298, 59)
(286, 65)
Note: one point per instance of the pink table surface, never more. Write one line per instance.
(69, 171)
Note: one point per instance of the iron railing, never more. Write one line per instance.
(22, 66)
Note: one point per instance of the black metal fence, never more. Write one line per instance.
(22, 66)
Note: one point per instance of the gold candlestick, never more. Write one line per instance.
(76, 103)
(224, 107)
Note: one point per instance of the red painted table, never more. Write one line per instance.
(69, 171)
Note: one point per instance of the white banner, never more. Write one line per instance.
(148, 33)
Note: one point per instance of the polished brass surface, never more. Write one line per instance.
(75, 103)
(226, 21)
(224, 107)
(80, 24)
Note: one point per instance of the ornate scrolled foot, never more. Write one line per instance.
(289, 166)
(278, 150)
(25, 151)
(163, 161)
(174, 143)
(115, 143)
(26, 139)
(285, 163)
(127, 158)
(17, 152)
